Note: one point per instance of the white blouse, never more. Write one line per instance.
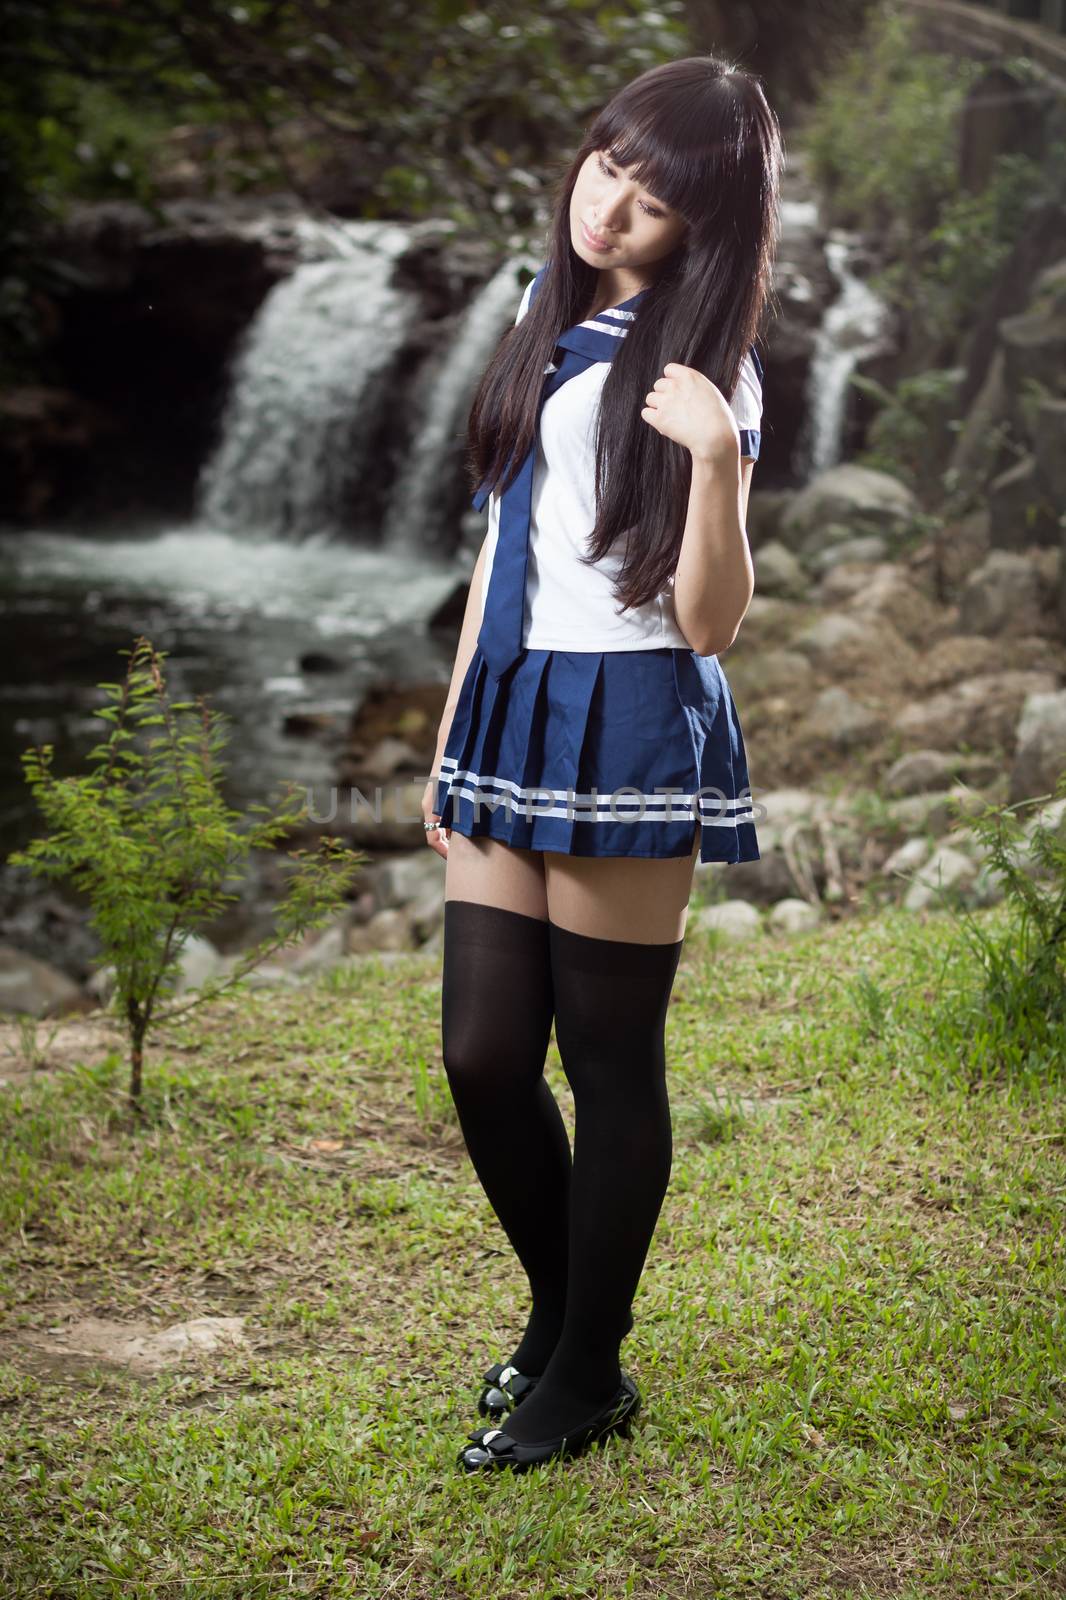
(569, 605)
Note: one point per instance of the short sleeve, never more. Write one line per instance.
(527, 296)
(746, 404)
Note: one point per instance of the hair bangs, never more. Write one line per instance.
(668, 168)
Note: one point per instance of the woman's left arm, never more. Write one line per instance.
(715, 578)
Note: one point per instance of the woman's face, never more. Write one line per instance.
(616, 223)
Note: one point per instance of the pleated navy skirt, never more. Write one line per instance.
(600, 753)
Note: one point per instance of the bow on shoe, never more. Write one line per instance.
(506, 1386)
(493, 1448)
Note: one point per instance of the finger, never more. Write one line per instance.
(651, 399)
(674, 368)
(650, 416)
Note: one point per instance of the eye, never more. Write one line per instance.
(609, 172)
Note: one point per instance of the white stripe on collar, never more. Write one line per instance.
(605, 327)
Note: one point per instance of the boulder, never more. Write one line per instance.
(34, 987)
(1040, 757)
(919, 771)
(947, 869)
(858, 498)
(794, 916)
(1002, 596)
(981, 712)
(838, 719)
(777, 571)
(734, 919)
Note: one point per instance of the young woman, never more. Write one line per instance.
(590, 747)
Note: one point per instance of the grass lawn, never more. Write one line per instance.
(849, 1334)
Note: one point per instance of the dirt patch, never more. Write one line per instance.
(43, 1045)
(137, 1346)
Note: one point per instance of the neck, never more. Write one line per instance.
(614, 285)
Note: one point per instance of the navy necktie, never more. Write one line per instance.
(500, 637)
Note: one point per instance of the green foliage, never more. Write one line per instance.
(946, 270)
(883, 142)
(907, 436)
(881, 134)
(882, 138)
(409, 108)
(148, 838)
(1019, 1015)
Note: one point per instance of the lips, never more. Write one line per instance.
(593, 241)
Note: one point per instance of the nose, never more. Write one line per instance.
(610, 214)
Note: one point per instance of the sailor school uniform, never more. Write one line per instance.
(578, 727)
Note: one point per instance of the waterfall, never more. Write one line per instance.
(851, 329)
(295, 424)
(415, 510)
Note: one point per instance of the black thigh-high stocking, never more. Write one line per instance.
(611, 999)
(496, 1018)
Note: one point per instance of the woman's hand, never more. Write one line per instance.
(437, 840)
(688, 408)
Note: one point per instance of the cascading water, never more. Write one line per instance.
(293, 429)
(414, 514)
(853, 327)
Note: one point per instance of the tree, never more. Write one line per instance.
(148, 838)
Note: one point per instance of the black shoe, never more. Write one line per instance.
(504, 1388)
(494, 1449)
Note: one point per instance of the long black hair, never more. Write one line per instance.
(701, 137)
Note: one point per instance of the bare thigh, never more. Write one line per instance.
(621, 897)
(495, 874)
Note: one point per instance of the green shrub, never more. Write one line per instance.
(148, 838)
(1017, 1020)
